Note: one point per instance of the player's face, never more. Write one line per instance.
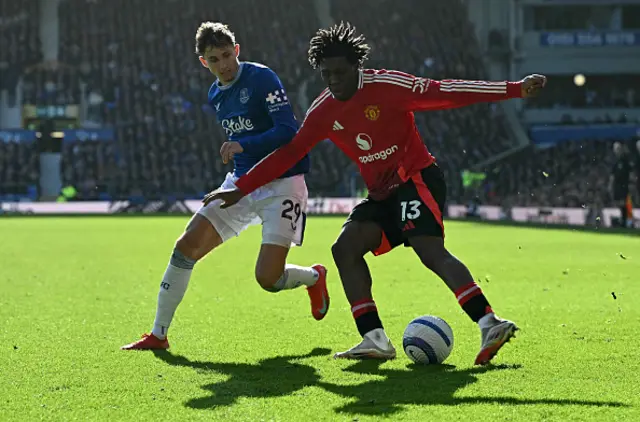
(340, 76)
(222, 62)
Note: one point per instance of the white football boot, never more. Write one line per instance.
(494, 336)
(374, 345)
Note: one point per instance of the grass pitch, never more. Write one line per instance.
(73, 290)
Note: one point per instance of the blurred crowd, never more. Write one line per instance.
(597, 91)
(134, 68)
(571, 174)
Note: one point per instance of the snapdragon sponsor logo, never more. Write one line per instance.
(381, 155)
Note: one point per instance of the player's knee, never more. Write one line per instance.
(189, 245)
(199, 238)
(267, 279)
(355, 241)
(432, 254)
(344, 249)
(339, 249)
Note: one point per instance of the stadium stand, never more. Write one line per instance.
(19, 170)
(134, 68)
(602, 91)
(145, 80)
(19, 39)
(571, 174)
(19, 49)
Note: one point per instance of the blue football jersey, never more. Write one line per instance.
(254, 110)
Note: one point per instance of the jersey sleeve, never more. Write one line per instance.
(414, 93)
(277, 105)
(282, 159)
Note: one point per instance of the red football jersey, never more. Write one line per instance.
(376, 127)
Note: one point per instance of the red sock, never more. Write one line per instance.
(472, 301)
(365, 313)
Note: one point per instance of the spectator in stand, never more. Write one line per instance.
(636, 198)
(619, 181)
(167, 139)
(19, 170)
(571, 174)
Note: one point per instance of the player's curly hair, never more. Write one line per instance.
(214, 34)
(338, 41)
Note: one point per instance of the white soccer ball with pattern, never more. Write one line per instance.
(428, 340)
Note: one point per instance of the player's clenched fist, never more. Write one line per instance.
(229, 149)
(532, 84)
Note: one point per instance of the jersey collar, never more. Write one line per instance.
(225, 87)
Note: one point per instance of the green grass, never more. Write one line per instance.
(73, 290)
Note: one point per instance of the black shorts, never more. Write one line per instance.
(414, 209)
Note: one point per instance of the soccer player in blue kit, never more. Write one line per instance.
(252, 107)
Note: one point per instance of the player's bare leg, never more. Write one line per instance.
(274, 274)
(495, 332)
(199, 238)
(356, 240)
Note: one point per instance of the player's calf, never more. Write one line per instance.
(355, 240)
(433, 255)
(291, 277)
(495, 332)
(268, 279)
(454, 273)
(199, 238)
(274, 274)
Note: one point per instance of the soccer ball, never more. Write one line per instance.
(428, 340)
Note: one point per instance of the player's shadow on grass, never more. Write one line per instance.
(272, 377)
(421, 385)
(425, 385)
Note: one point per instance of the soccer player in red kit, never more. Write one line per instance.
(368, 114)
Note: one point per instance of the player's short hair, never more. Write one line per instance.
(338, 41)
(214, 34)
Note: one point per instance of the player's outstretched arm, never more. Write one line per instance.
(269, 168)
(532, 85)
(415, 94)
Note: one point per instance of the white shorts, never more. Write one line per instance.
(280, 206)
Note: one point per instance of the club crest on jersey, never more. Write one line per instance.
(244, 95)
(372, 112)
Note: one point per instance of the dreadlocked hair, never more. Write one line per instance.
(338, 41)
